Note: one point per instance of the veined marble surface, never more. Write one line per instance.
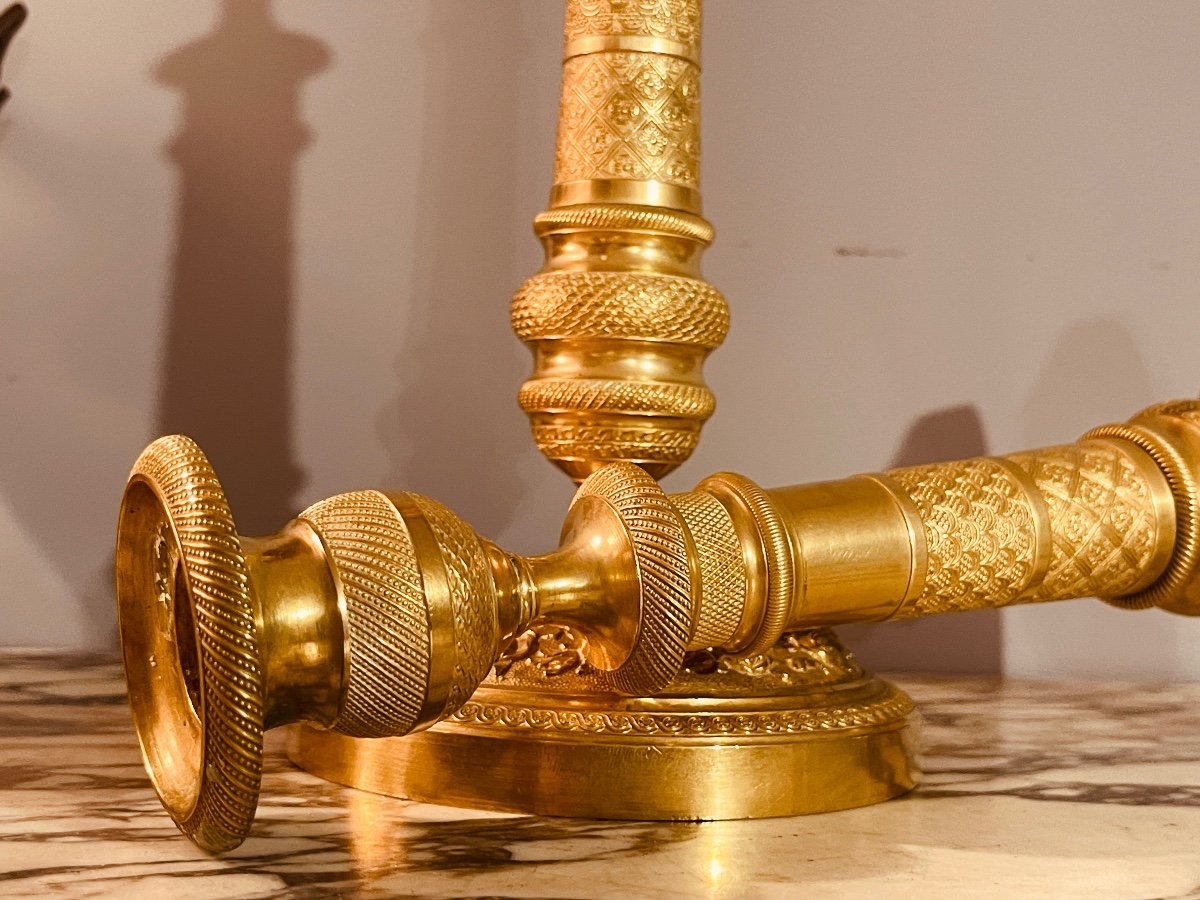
(1054, 789)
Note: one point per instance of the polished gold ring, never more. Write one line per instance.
(621, 217)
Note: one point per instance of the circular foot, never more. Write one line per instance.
(774, 736)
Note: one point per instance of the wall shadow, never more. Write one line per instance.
(454, 431)
(227, 365)
(960, 643)
(1095, 373)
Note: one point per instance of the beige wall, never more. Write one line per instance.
(945, 228)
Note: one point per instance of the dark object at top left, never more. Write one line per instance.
(10, 21)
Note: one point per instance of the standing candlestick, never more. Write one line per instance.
(619, 319)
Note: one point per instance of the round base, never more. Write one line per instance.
(729, 745)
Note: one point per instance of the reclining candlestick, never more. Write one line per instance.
(373, 615)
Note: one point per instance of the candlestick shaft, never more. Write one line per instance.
(619, 319)
(1112, 516)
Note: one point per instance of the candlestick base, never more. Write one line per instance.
(813, 733)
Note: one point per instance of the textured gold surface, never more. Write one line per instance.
(1105, 531)
(380, 614)
(778, 676)
(660, 553)
(747, 501)
(194, 549)
(596, 305)
(799, 729)
(598, 394)
(548, 651)
(629, 116)
(387, 634)
(619, 320)
(563, 683)
(621, 217)
(580, 445)
(981, 526)
(722, 575)
(676, 20)
(1170, 434)
(574, 720)
(476, 628)
(811, 659)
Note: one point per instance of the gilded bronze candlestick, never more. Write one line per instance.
(672, 659)
(686, 670)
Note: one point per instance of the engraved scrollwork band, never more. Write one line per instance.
(892, 707)
(674, 20)
(568, 441)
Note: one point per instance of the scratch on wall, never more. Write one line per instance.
(865, 251)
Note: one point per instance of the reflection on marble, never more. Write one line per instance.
(1059, 789)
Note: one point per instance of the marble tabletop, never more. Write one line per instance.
(1057, 789)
